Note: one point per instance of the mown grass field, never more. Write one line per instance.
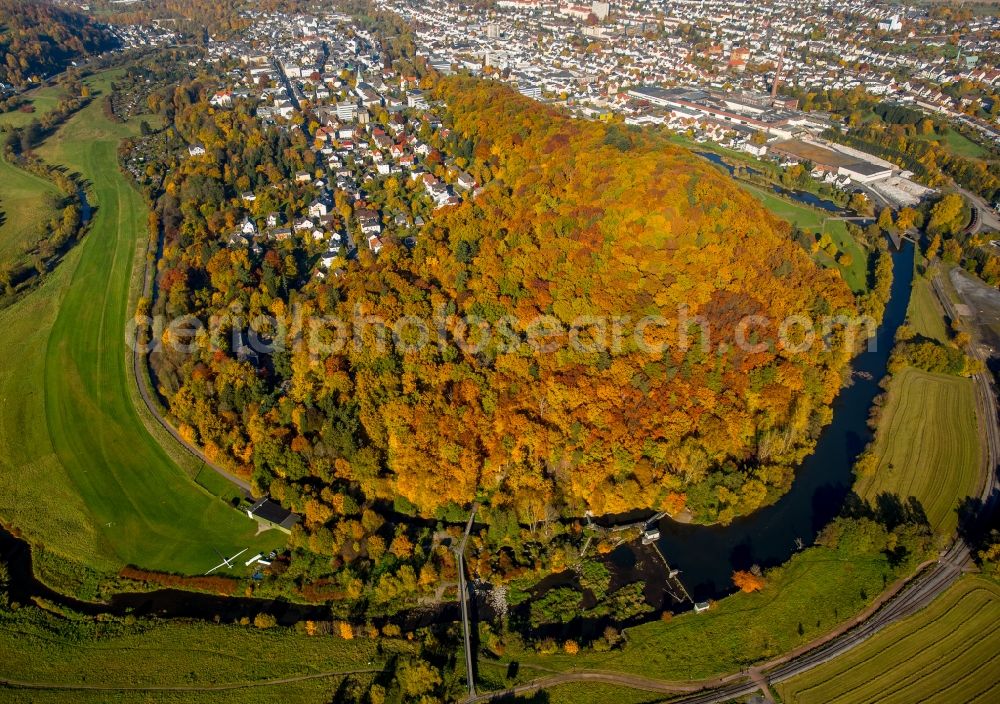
(817, 590)
(25, 209)
(44, 99)
(925, 314)
(80, 472)
(949, 653)
(38, 648)
(927, 445)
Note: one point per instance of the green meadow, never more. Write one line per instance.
(82, 472)
(176, 661)
(26, 204)
(44, 99)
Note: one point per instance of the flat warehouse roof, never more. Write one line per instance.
(813, 153)
(866, 168)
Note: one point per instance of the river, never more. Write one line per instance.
(707, 555)
(804, 197)
(24, 588)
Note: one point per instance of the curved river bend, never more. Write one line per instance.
(707, 555)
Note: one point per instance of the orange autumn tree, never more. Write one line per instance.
(748, 581)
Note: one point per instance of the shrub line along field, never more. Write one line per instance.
(946, 653)
(82, 475)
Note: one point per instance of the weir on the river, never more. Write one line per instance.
(674, 586)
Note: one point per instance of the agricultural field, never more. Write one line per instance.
(82, 474)
(26, 205)
(234, 663)
(946, 653)
(927, 445)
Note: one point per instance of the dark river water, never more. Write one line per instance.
(798, 196)
(707, 555)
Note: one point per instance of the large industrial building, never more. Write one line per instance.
(776, 117)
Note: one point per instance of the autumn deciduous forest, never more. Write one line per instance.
(574, 219)
(38, 39)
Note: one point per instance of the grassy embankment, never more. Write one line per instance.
(946, 653)
(186, 658)
(25, 208)
(82, 473)
(927, 442)
(815, 591)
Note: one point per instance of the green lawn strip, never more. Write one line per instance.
(927, 445)
(925, 314)
(36, 492)
(26, 207)
(120, 497)
(945, 653)
(39, 648)
(818, 589)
